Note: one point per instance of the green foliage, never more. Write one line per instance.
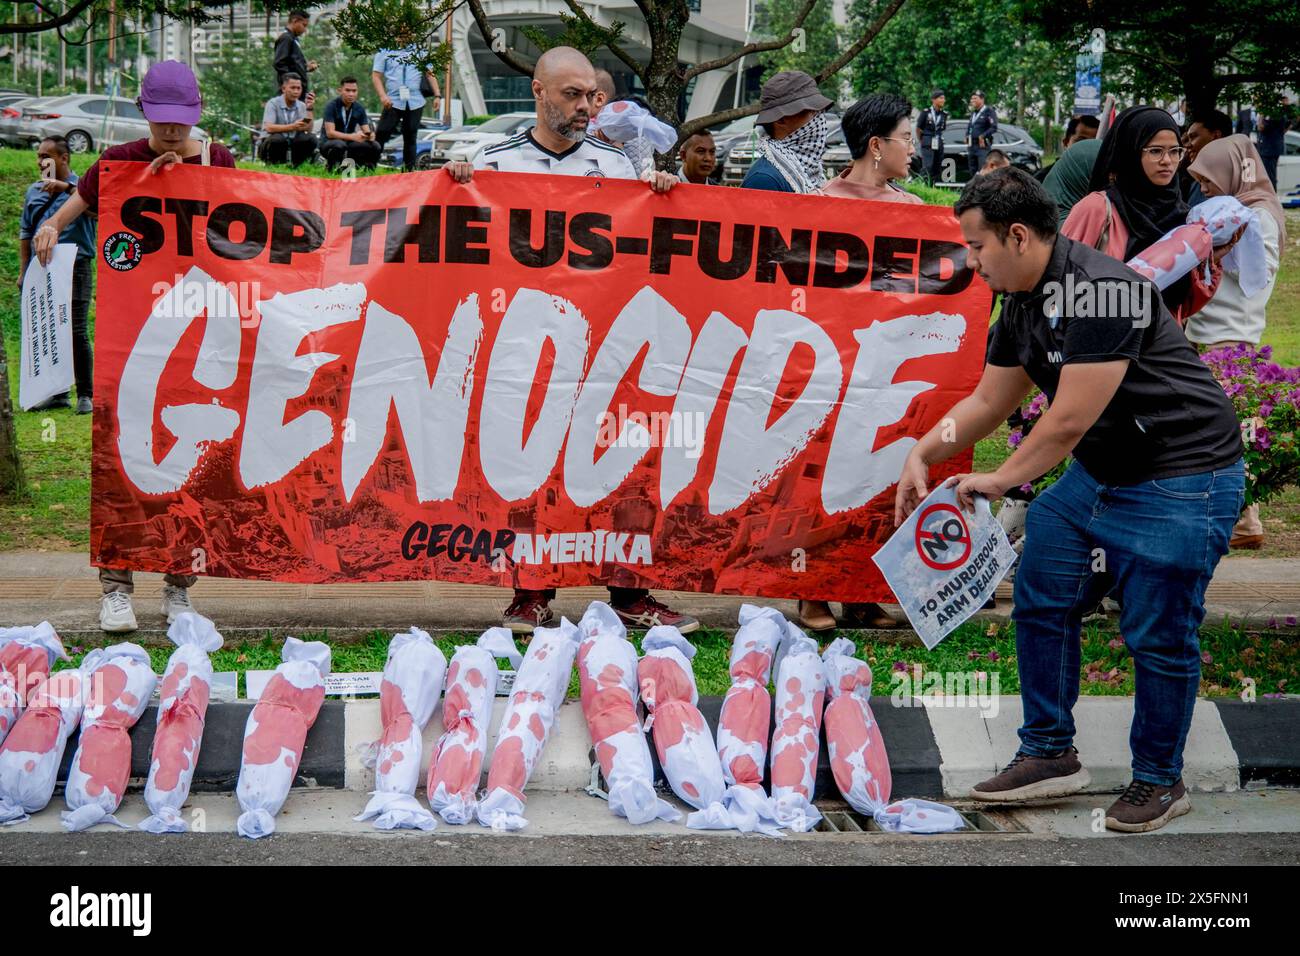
(817, 46)
(579, 33)
(916, 52)
(369, 26)
(1168, 48)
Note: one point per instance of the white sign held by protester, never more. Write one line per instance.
(47, 327)
(944, 564)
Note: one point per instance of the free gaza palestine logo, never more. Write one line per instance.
(122, 251)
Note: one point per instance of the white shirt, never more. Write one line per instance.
(1232, 316)
(523, 154)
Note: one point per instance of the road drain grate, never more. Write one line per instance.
(977, 821)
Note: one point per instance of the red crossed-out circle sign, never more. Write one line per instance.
(942, 538)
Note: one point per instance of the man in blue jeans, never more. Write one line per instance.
(1146, 507)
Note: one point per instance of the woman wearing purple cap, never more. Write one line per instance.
(170, 101)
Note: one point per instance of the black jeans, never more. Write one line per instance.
(409, 120)
(296, 147)
(83, 362)
(365, 153)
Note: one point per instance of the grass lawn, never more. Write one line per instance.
(1229, 656)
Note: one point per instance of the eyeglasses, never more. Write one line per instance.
(1160, 152)
(897, 139)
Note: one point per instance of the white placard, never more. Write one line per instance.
(47, 327)
(336, 685)
(224, 687)
(944, 564)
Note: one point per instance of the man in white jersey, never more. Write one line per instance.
(567, 95)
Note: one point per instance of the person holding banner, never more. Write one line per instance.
(1147, 506)
(171, 103)
(568, 95)
(45, 197)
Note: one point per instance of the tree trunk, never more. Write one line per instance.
(664, 77)
(11, 471)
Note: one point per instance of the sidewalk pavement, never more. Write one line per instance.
(62, 587)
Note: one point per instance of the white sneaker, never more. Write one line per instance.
(115, 613)
(175, 602)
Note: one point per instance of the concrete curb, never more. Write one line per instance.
(935, 751)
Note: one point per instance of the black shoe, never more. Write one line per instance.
(54, 401)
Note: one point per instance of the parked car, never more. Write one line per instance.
(1288, 171)
(730, 136)
(11, 114)
(89, 122)
(1012, 140)
(464, 144)
(741, 155)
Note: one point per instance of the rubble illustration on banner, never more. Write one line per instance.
(409, 693)
(182, 714)
(276, 732)
(30, 756)
(457, 762)
(535, 698)
(26, 655)
(119, 684)
(607, 677)
(800, 693)
(745, 722)
(682, 739)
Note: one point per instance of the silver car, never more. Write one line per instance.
(89, 122)
(11, 112)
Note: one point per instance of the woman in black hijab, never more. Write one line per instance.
(1135, 200)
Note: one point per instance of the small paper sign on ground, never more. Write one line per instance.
(944, 564)
(349, 684)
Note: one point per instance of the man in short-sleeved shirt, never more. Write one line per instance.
(44, 198)
(345, 129)
(396, 76)
(286, 125)
(1145, 510)
(567, 93)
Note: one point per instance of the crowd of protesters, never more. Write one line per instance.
(1148, 500)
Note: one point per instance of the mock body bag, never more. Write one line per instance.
(412, 684)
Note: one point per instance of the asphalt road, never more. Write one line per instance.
(315, 849)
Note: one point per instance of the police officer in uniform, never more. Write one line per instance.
(979, 134)
(929, 130)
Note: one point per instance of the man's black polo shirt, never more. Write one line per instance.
(1169, 416)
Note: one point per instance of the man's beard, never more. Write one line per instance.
(560, 126)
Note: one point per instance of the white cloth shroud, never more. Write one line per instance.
(26, 655)
(607, 677)
(535, 698)
(276, 733)
(118, 686)
(800, 692)
(31, 754)
(182, 714)
(457, 762)
(412, 684)
(686, 749)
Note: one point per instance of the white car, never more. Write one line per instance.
(463, 144)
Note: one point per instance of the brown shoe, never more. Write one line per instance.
(816, 616)
(1246, 542)
(646, 612)
(529, 610)
(1034, 778)
(1147, 806)
(867, 615)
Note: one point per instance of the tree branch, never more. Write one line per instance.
(506, 55)
(614, 48)
(40, 26)
(871, 33)
(691, 127)
(761, 46)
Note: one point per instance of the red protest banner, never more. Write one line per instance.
(531, 380)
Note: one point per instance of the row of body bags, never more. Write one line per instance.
(623, 697)
(721, 778)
